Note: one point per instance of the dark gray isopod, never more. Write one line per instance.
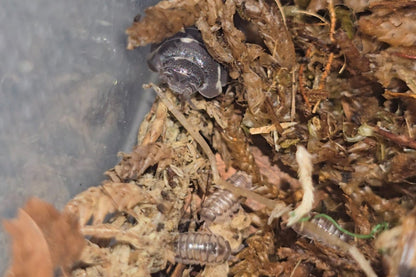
(222, 202)
(202, 248)
(183, 62)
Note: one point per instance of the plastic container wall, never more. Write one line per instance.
(71, 97)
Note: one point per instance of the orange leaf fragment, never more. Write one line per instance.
(43, 239)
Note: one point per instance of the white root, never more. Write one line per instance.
(304, 160)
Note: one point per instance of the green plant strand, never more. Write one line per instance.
(379, 227)
(375, 230)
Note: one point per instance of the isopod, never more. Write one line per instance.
(327, 226)
(184, 63)
(330, 228)
(223, 202)
(202, 248)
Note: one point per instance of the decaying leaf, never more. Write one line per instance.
(396, 28)
(171, 17)
(43, 240)
(142, 158)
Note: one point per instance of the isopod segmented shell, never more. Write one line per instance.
(330, 228)
(202, 248)
(183, 62)
(325, 225)
(222, 202)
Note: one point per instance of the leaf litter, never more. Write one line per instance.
(334, 78)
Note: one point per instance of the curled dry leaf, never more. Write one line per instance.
(397, 28)
(142, 157)
(97, 202)
(43, 240)
(170, 18)
(272, 28)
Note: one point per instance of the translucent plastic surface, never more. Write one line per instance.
(71, 97)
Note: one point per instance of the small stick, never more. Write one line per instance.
(322, 80)
(312, 14)
(279, 5)
(401, 140)
(333, 18)
(399, 94)
(300, 78)
(328, 65)
(293, 106)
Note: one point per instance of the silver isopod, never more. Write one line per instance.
(202, 248)
(223, 202)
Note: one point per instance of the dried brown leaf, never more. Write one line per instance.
(162, 21)
(143, 157)
(31, 256)
(403, 166)
(355, 60)
(255, 258)
(155, 127)
(97, 202)
(43, 239)
(109, 231)
(397, 29)
(274, 175)
(272, 28)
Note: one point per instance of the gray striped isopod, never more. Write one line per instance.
(184, 63)
(223, 202)
(201, 248)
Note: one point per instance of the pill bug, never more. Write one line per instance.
(330, 228)
(183, 62)
(201, 248)
(223, 202)
(327, 226)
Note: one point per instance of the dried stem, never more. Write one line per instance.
(300, 78)
(399, 139)
(333, 19)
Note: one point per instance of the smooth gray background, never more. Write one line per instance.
(70, 97)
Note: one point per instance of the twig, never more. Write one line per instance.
(322, 80)
(293, 105)
(300, 78)
(279, 5)
(311, 14)
(388, 93)
(178, 270)
(401, 140)
(294, 269)
(404, 55)
(333, 18)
